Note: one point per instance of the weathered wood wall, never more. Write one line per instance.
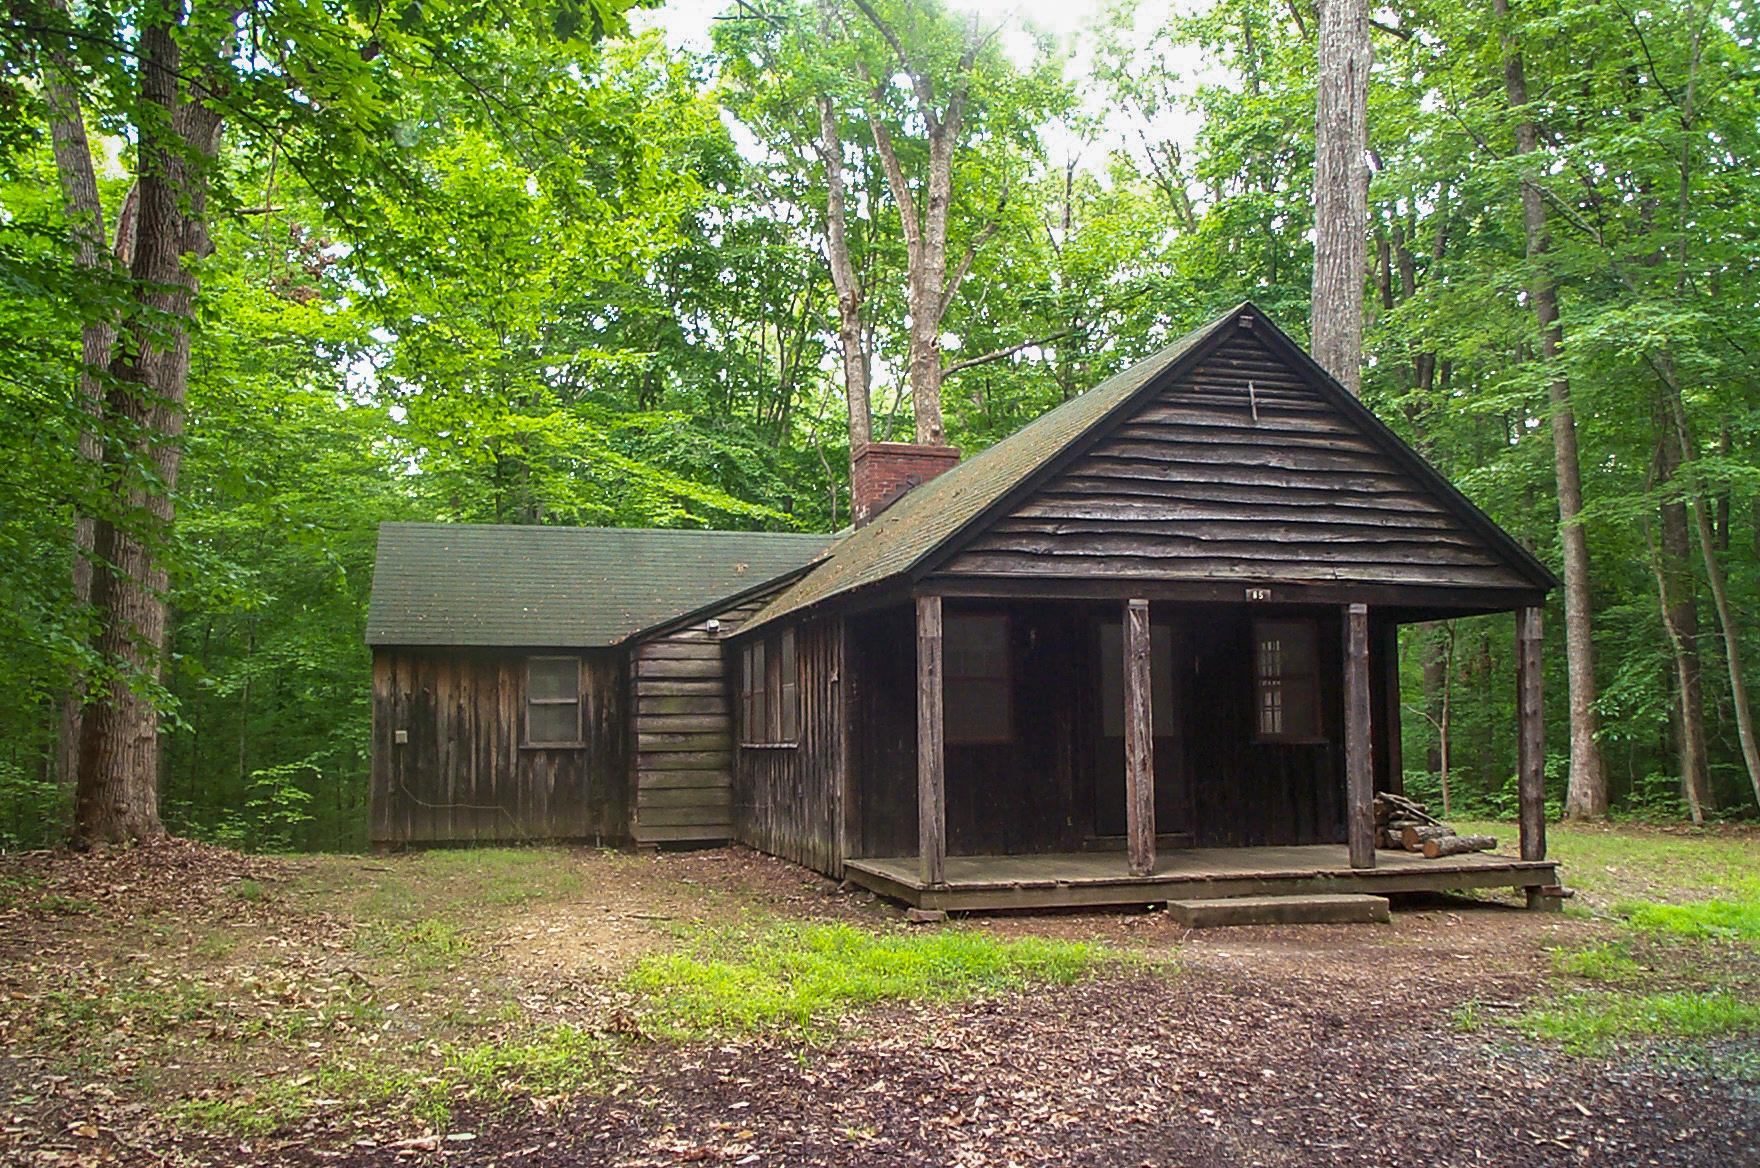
(463, 776)
(683, 753)
(788, 800)
(1240, 473)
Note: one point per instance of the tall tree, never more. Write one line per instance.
(1341, 189)
(181, 72)
(916, 127)
(1586, 796)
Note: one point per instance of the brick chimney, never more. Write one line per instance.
(881, 472)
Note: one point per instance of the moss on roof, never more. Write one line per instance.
(563, 587)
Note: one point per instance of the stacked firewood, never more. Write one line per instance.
(1405, 824)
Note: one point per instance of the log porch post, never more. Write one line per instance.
(1531, 743)
(931, 752)
(1139, 740)
(1359, 766)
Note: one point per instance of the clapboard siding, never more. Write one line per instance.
(682, 732)
(464, 777)
(1241, 471)
(788, 799)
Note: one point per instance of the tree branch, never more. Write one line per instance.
(999, 354)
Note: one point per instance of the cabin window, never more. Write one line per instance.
(770, 692)
(977, 705)
(1287, 681)
(553, 701)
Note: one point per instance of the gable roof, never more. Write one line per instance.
(562, 587)
(920, 530)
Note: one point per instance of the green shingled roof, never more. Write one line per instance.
(920, 522)
(563, 587)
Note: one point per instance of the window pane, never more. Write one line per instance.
(977, 710)
(1301, 714)
(1285, 665)
(553, 723)
(791, 712)
(975, 646)
(1285, 647)
(787, 690)
(553, 678)
(1270, 708)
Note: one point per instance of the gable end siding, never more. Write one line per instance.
(1240, 472)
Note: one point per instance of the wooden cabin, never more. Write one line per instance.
(1144, 648)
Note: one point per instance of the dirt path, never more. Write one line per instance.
(1209, 1069)
(1316, 1045)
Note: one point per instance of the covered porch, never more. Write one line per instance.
(1091, 751)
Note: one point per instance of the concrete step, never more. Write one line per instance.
(1318, 909)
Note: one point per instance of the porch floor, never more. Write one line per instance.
(1091, 879)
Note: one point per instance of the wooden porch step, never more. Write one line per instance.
(1317, 909)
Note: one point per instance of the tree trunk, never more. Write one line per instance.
(931, 287)
(845, 281)
(1680, 618)
(1586, 795)
(117, 794)
(1727, 625)
(1341, 189)
(85, 215)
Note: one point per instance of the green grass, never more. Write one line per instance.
(558, 1060)
(1704, 920)
(424, 943)
(1633, 862)
(1609, 961)
(1590, 1023)
(803, 976)
(547, 1062)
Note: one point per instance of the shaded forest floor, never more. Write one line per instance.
(181, 1004)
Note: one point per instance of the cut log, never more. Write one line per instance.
(1392, 809)
(1414, 837)
(1454, 845)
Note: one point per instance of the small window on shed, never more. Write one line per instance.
(553, 701)
(1286, 681)
(976, 695)
(754, 709)
(788, 691)
(769, 692)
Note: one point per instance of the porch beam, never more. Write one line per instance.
(1139, 740)
(931, 749)
(1359, 763)
(1531, 736)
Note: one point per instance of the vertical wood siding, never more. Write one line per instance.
(1240, 472)
(683, 750)
(464, 777)
(788, 800)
